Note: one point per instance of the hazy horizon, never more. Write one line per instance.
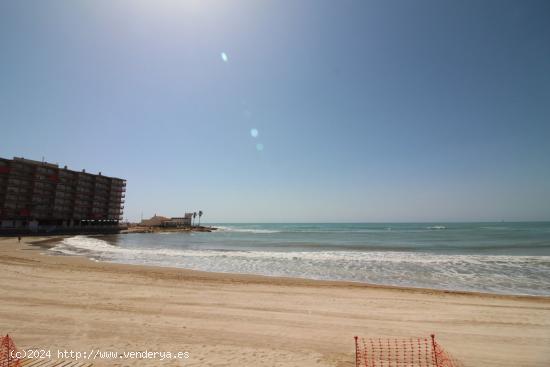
(288, 112)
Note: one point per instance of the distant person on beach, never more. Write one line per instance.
(19, 239)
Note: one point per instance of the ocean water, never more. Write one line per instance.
(504, 258)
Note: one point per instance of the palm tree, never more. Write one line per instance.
(194, 216)
(200, 215)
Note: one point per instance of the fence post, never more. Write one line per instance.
(356, 352)
(434, 351)
(8, 348)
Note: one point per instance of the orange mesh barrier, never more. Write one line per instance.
(413, 352)
(7, 353)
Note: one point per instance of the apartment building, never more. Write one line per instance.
(40, 196)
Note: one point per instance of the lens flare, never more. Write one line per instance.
(224, 57)
(259, 147)
(254, 133)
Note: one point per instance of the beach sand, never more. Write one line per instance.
(71, 303)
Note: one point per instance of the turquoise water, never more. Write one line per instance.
(507, 258)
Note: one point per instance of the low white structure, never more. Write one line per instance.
(160, 221)
(154, 221)
(184, 221)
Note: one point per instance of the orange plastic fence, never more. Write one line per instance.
(413, 352)
(7, 353)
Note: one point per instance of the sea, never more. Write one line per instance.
(501, 258)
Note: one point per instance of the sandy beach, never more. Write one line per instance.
(72, 303)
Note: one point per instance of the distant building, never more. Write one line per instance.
(160, 221)
(184, 221)
(154, 221)
(40, 196)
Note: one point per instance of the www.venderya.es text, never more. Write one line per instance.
(95, 354)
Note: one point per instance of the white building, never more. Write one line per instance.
(184, 221)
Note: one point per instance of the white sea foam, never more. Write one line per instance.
(299, 230)
(243, 230)
(494, 273)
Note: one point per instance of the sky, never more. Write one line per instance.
(288, 111)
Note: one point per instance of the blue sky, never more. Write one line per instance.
(366, 110)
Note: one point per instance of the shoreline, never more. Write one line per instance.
(72, 302)
(48, 243)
